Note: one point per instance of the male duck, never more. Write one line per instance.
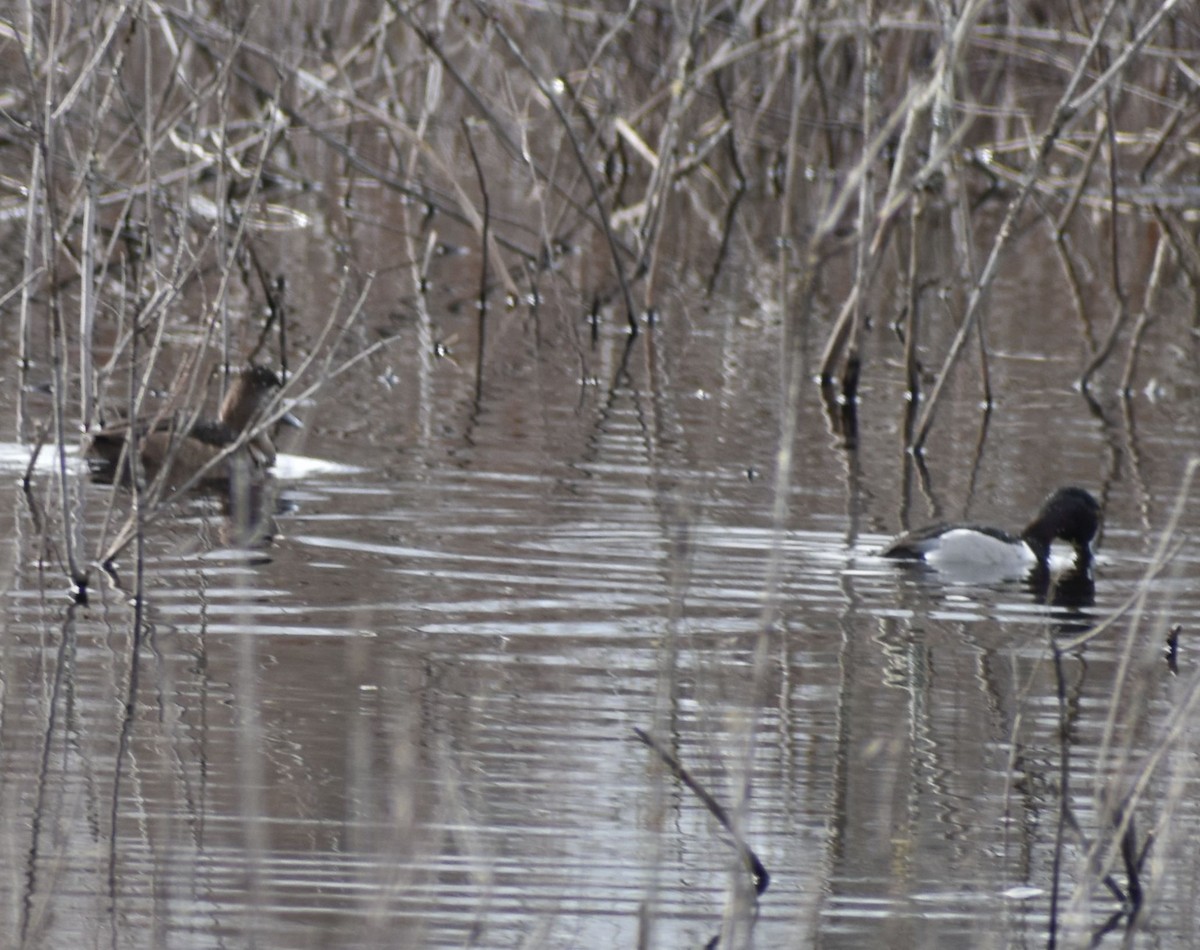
(163, 444)
(1069, 514)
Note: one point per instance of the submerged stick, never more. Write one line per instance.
(481, 306)
(758, 873)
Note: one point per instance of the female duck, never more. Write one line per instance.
(183, 451)
(1069, 514)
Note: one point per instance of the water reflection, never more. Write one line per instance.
(406, 713)
(502, 651)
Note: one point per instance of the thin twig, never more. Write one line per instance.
(758, 873)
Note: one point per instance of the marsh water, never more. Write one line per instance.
(407, 718)
(396, 701)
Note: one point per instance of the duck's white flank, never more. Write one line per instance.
(966, 547)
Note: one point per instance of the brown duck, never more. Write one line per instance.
(163, 444)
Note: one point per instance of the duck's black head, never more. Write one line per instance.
(1069, 514)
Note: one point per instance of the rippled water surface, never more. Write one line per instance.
(408, 718)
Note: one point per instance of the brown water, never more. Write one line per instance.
(405, 716)
(408, 721)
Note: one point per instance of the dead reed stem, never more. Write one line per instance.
(1066, 113)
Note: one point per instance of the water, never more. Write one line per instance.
(408, 719)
